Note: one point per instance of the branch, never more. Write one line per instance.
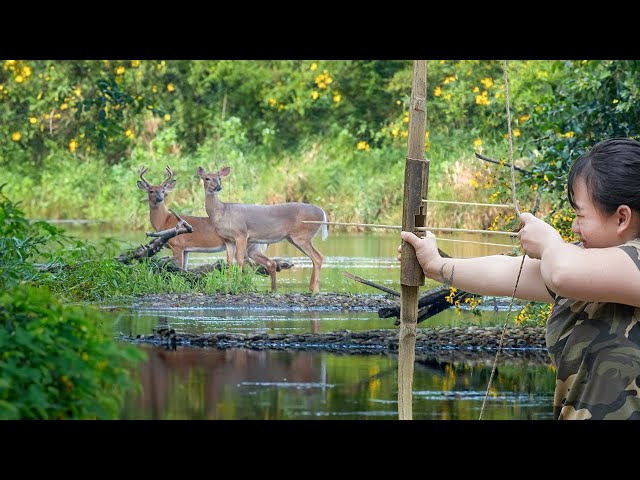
(160, 240)
(370, 283)
(487, 159)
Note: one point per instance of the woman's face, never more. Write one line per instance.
(595, 229)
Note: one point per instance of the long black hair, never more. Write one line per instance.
(611, 171)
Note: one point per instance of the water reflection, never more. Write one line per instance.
(206, 383)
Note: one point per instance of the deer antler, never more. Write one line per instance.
(169, 174)
(144, 170)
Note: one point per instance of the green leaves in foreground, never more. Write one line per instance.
(55, 362)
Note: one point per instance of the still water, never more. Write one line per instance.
(207, 383)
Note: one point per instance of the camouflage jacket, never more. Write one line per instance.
(595, 348)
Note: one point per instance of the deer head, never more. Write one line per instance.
(211, 181)
(157, 193)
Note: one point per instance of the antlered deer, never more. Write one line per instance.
(204, 237)
(241, 224)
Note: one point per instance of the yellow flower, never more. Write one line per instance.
(405, 118)
(437, 91)
(128, 133)
(524, 118)
(135, 63)
(487, 82)
(315, 94)
(64, 106)
(120, 70)
(615, 100)
(313, 66)
(449, 79)
(322, 85)
(476, 89)
(569, 134)
(337, 97)
(546, 179)
(171, 87)
(33, 120)
(273, 102)
(154, 89)
(363, 146)
(516, 132)
(482, 99)
(26, 71)
(477, 142)
(1, 87)
(77, 92)
(394, 132)
(9, 63)
(19, 79)
(398, 102)
(167, 117)
(73, 144)
(16, 136)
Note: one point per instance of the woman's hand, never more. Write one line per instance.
(426, 251)
(536, 235)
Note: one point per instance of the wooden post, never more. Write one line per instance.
(414, 214)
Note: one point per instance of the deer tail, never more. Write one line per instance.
(325, 229)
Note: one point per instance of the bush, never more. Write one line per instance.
(56, 363)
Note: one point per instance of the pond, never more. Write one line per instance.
(207, 383)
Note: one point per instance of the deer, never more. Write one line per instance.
(204, 237)
(241, 225)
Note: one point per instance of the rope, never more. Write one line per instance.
(515, 206)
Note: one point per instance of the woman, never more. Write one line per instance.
(593, 332)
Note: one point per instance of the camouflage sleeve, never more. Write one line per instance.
(632, 249)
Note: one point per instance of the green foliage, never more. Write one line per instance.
(101, 279)
(21, 242)
(55, 362)
(597, 101)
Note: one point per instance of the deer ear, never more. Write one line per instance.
(200, 171)
(170, 185)
(142, 186)
(224, 171)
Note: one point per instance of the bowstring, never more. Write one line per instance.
(517, 209)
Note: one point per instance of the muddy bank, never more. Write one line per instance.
(288, 301)
(452, 343)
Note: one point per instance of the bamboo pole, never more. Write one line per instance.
(414, 214)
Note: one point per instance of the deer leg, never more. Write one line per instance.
(241, 251)
(257, 256)
(231, 252)
(306, 247)
(178, 256)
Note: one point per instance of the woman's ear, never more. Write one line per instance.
(625, 218)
